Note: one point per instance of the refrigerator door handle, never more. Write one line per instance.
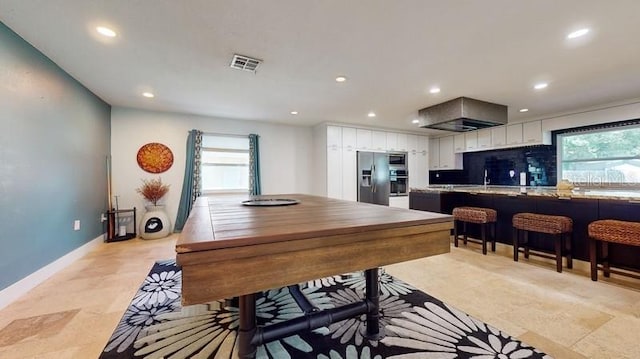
(373, 178)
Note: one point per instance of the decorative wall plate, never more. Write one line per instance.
(155, 157)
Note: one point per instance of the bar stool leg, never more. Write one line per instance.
(558, 243)
(569, 238)
(605, 259)
(526, 244)
(516, 234)
(483, 235)
(464, 230)
(493, 236)
(593, 256)
(455, 233)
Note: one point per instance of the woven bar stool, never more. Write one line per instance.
(560, 226)
(611, 231)
(482, 216)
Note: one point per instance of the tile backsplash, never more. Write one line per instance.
(503, 167)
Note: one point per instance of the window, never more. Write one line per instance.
(225, 163)
(600, 157)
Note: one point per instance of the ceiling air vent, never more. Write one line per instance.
(245, 63)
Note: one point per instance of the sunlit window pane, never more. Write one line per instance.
(601, 157)
(225, 178)
(225, 164)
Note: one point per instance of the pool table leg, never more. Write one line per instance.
(373, 299)
(247, 326)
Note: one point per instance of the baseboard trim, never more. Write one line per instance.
(19, 288)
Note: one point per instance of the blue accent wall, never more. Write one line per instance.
(54, 139)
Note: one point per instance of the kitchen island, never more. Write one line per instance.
(582, 205)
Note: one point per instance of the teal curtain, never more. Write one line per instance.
(191, 185)
(254, 165)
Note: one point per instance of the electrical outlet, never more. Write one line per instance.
(76, 225)
(103, 217)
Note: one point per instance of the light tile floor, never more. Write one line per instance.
(72, 314)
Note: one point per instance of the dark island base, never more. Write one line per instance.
(582, 211)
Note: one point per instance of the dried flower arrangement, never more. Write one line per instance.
(153, 190)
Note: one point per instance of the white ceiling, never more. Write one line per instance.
(392, 53)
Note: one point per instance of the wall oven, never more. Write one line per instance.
(398, 182)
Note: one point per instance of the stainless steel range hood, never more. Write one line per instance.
(463, 114)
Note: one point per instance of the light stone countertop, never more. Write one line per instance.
(629, 194)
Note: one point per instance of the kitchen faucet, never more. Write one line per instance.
(486, 180)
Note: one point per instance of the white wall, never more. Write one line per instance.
(285, 152)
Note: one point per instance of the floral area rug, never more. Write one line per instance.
(415, 324)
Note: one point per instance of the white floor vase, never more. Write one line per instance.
(154, 223)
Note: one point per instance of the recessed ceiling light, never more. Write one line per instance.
(415, 121)
(341, 79)
(105, 31)
(524, 109)
(148, 95)
(294, 112)
(371, 114)
(578, 33)
(435, 90)
(541, 85)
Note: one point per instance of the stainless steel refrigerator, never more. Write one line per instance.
(373, 178)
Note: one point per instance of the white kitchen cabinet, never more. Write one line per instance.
(423, 144)
(334, 172)
(434, 153)
(418, 166)
(412, 143)
(448, 158)
(349, 138)
(446, 152)
(378, 140)
(484, 139)
(459, 144)
(334, 136)
(532, 134)
(392, 141)
(403, 139)
(399, 202)
(514, 134)
(498, 136)
(363, 139)
(471, 141)
(349, 174)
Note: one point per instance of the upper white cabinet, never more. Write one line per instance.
(434, 154)
(484, 139)
(449, 160)
(392, 141)
(412, 143)
(532, 134)
(514, 134)
(424, 145)
(334, 136)
(379, 140)
(471, 141)
(403, 139)
(459, 144)
(498, 136)
(363, 139)
(349, 138)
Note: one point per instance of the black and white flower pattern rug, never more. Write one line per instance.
(415, 324)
